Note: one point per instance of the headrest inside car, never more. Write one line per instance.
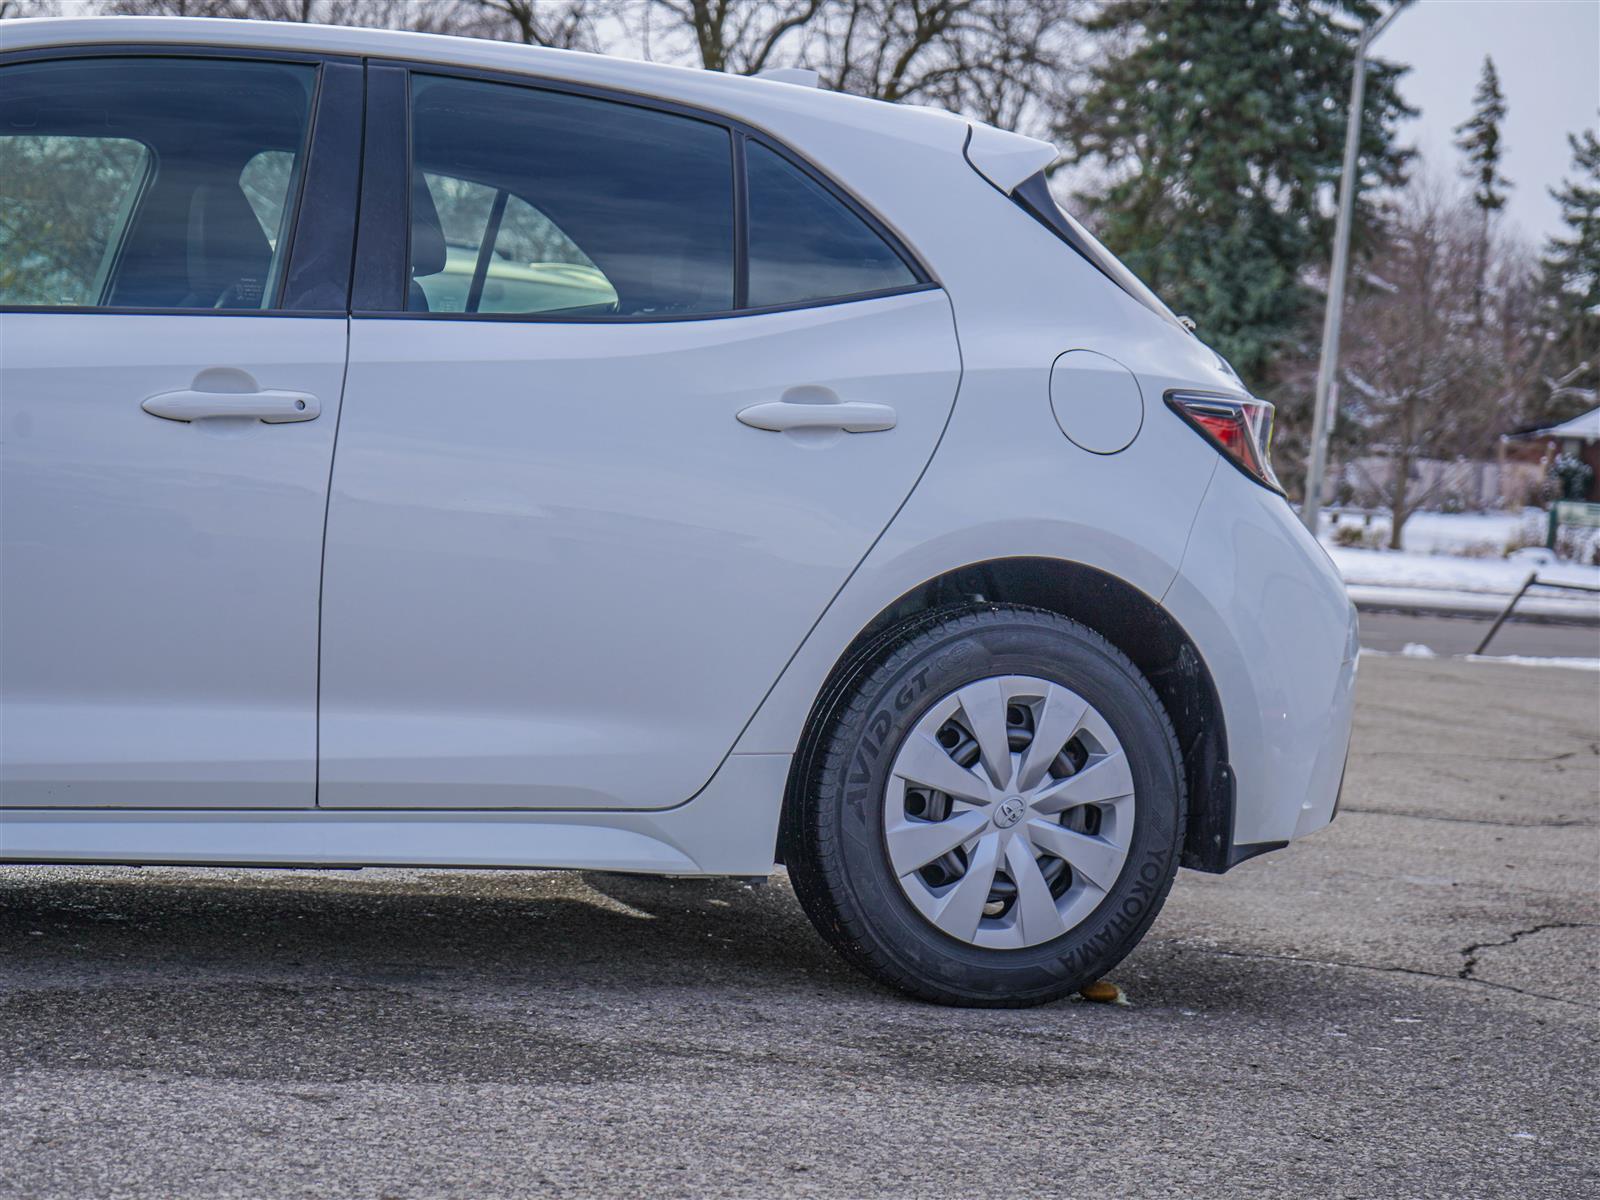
(427, 235)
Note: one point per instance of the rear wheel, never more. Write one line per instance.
(992, 810)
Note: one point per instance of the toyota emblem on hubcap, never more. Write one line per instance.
(1009, 812)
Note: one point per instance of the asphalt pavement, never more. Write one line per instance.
(1402, 1005)
(1461, 635)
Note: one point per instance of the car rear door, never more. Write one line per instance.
(174, 249)
(631, 392)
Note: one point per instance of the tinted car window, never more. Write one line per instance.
(526, 201)
(148, 182)
(63, 202)
(502, 255)
(805, 243)
(265, 183)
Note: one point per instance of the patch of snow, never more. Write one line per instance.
(1473, 535)
(1512, 660)
(1475, 604)
(1458, 563)
(1521, 660)
(1447, 533)
(1417, 650)
(1534, 556)
(1403, 568)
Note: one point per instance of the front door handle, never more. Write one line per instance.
(275, 408)
(852, 416)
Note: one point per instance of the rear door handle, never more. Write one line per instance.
(852, 416)
(275, 408)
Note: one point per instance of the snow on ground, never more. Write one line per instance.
(1516, 660)
(1485, 534)
(1538, 603)
(1522, 660)
(1452, 572)
(1476, 535)
(1457, 560)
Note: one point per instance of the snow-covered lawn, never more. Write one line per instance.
(1415, 650)
(1409, 569)
(1479, 534)
(1458, 559)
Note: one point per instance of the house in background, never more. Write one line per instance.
(1539, 448)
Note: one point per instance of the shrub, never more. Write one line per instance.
(1356, 536)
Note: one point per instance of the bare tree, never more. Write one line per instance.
(372, 13)
(1002, 61)
(563, 24)
(29, 8)
(1428, 373)
(998, 60)
(738, 36)
(568, 24)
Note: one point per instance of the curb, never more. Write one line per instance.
(1476, 606)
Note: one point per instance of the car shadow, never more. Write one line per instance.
(383, 973)
(535, 927)
(497, 975)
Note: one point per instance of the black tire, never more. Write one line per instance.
(835, 848)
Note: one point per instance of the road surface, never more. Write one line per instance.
(1461, 635)
(1404, 1005)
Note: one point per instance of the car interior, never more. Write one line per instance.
(196, 168)
(645, 197)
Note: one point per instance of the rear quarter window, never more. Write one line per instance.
(806, 244)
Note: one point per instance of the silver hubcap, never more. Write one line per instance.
(1009, 811)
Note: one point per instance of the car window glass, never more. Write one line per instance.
(536, 267)
(530, 265)
(805, 243)
(535, 202)
(265, 184)
(64, 201)
(463, 214)
(148, 182)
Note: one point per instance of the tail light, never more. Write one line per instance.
(1241, 429)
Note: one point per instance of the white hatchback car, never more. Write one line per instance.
(437, 452)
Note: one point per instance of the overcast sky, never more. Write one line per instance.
(1548, 55)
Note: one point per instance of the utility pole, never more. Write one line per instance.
(1328, 364)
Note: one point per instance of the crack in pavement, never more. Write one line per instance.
(1470, 953)
(1397, 970)
(1395, 812)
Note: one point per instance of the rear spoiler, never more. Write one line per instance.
(1006, 159)
(1015, 164)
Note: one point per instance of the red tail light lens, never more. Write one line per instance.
(1241, 429)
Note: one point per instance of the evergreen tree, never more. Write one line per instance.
(1478, 137)
(1219, 128)
(1572, 281)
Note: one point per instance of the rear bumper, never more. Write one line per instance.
(1270, 617)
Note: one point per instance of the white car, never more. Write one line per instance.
(426, 451)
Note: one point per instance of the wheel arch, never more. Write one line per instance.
(1125, 616)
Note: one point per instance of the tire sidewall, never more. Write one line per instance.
(899, 693)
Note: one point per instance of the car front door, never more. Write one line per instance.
(617, 428)
(172, 351)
